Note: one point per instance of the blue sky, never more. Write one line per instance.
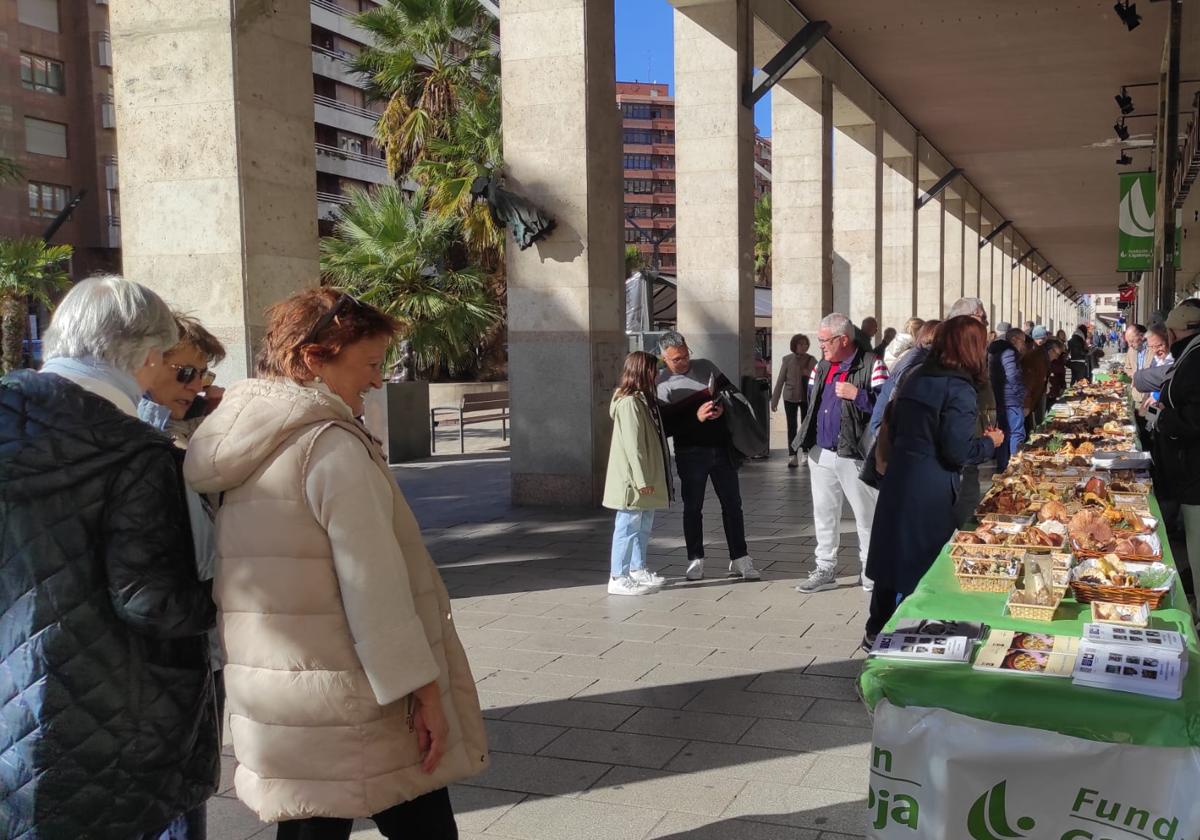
(646, 47)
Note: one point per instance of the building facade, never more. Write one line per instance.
(648, 151)
(58, 122)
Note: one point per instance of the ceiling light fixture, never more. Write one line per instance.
(1122, 131)
(1127, 12)
(1124, 101)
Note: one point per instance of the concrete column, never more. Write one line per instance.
(899, 299)
(952, 244)
(857, 219)
(986, 260)
(930, 294)
(215, 121)
(714, 178)
(562, 150)
(971, 244)
(801, 210)
(1002, 279)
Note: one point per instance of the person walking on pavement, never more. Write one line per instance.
(844, 389)
(792, 385)
(703, 451)
(639, 476)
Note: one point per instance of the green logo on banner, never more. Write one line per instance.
(1135, 236)
(988, 819)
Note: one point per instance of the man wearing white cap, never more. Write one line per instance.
(1177, 434)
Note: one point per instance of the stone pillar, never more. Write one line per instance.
(215, 123)
(899, 299)
(562, 150)
(714, 177)
(952, 245)
(971, 244)
(930, 255)
(857, 219)
(801, 210)
(986, 260)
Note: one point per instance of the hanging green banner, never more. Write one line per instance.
(1135, 229)
(1135, 234)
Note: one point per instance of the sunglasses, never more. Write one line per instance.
(186, 375)
(341, 306)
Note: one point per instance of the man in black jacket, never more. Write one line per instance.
(703, 451)
(1080, 355)
(108, 726)
(843, 390)
(1177, 432)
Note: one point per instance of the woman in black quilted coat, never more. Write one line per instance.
(107, 715)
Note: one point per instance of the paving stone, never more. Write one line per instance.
(834, 630)
(537, 774)
(692, 793)
(622, 748)
(735, 702)
(537, 624)
(700, 726)
(721, 608)
(807, 685)
(622, 631)
(594, 666)
(497, 704)
(510, 659)
(512, 736)
(678, 826)
(572, 713)
(803, 807)
(575, 819)
(839, 772)
(475, 808)
(657, 652)
(674, 618)
(489, 637)
(557, 643)
(719, 639)
(229, 819)
(473, 619)
(538, 685)
(814, 646)
(758, 661)
(808, 737)
(743, 762)
(228, 765)
(700, 676)
(839, 712)
(674, 696)
(598, 612)
(837, 666)
(765, 626)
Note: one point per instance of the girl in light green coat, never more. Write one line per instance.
(639, 477)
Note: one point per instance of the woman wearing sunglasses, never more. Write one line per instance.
(349, 691)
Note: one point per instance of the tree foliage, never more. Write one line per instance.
(29, 268)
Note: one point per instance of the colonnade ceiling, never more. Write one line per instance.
(1017, 94)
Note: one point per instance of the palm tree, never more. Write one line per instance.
(762, 240)
(29, 268)
(389, 251)
(429, 57)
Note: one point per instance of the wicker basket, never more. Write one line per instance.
(1085, 593)
(975, 582)
(1034, 612)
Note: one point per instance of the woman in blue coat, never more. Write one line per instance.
(932, 428)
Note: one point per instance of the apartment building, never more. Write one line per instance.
(648, 128)
(57, 121)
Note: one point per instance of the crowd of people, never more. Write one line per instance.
(138, 500)
(897, 429)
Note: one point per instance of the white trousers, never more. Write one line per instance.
(833, 480)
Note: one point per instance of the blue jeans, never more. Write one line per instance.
(1012, 423)
(631, 541)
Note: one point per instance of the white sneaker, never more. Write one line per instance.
(627, 586)
(743, 567)
(794, 461)
(695, 569)
(868, 585)
(818, 581)
(647, 578)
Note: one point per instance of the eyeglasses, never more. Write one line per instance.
(186, 375)
(343, 304)
(826, 341)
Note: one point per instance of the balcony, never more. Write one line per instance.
(328, 205)
(328, 111)
(346, 164)
(334, 64)
(333, 17)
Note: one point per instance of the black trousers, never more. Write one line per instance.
(428, 817)
(696, 465)
(793, 411)
(883, 605)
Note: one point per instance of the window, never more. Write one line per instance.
(47, 200)
(104, 50)
(44, 74)
(639, 111)
(664, 186)
(45, 138)
(664, 161)
(636, 137)
(639, 185)
(637, 211)
(40, 13)
(638, 162)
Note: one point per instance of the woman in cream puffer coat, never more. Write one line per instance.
(348, 689)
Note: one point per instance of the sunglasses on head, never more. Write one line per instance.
(341, 306)
(186, 375)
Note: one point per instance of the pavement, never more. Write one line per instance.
(711, 710)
